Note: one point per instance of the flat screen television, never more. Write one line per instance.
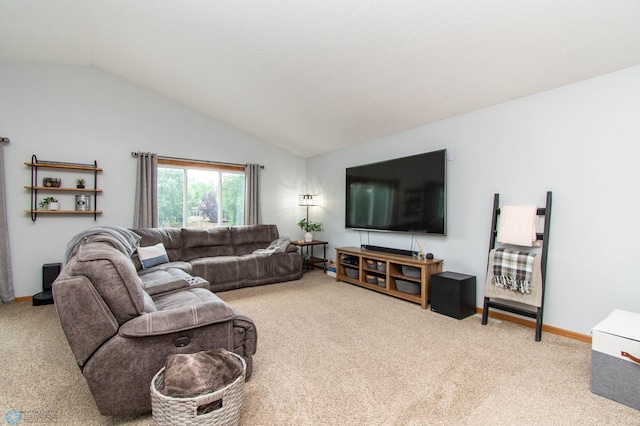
(405, 194)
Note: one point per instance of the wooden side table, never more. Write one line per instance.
(308, 259)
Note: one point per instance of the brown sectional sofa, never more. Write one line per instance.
(223, 256)
(122, 322)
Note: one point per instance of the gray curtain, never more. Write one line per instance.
(6, 277)
(145, 213)
(251, 195)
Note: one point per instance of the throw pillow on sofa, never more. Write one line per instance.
(153, 255)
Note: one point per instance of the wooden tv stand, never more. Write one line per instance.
(388, 274)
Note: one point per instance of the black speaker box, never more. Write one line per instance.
(453, 294)
(388, 250)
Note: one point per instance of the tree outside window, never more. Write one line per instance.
(200, 197)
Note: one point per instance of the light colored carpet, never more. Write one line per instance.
(330, 353)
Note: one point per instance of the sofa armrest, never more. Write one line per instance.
(166, 280)
(85, 318)
(153, 287)
(178, 319)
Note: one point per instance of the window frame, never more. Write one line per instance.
(203, 165)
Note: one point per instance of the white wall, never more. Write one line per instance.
(80, 114)
(581, 141)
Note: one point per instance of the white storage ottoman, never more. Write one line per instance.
(615, 375)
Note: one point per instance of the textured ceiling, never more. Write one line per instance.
(316, 75)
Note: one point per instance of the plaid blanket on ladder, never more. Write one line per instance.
(512, 270)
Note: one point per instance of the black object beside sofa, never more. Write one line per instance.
(122, 321)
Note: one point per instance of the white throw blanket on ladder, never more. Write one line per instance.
(518, 225)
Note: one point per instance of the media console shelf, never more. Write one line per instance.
(405, 277)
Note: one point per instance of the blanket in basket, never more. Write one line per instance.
(188, 375)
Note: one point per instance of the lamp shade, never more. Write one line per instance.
(307, 200)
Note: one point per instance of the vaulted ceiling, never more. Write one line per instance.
(316, 75)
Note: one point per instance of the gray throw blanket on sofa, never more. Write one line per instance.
(120, 238)
(277, 246)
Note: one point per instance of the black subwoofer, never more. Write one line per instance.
(453, 294)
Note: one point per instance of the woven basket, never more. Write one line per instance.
(167, 410)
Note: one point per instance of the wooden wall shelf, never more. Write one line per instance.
(35, 187)
(67, 166)
(64, 211)
(48, 188)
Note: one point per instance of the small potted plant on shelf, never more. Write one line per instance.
(80, 183)
(310, 227)
(49, 203)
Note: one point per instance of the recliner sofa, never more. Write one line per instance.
(122, 323)
(223, 256)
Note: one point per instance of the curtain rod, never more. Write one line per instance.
(160, 157)
(4, 140)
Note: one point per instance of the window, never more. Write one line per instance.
(197, 195)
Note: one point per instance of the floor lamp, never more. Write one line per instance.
(307, 200)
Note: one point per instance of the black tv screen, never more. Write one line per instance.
(405, 194)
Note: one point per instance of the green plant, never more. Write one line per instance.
(45, 202)
(80, 182)
(307, 226)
